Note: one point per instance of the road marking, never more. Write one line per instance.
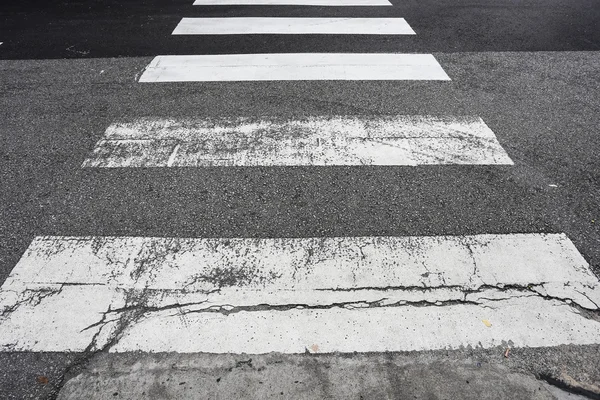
(293, 67)
(296, 26)
(288, 295)
(398, 140)
(336, 3)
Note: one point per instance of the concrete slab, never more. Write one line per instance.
(174, 376)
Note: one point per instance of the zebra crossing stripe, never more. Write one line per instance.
(337, 3)
(293, 67)
(293, 295)
(323, 141)
(243, 26)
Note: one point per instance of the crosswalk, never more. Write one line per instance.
(400, 140)
(293, 26)
(290, 66)
(323, 294)
(293, 67)
(297, 295)
(334, 3)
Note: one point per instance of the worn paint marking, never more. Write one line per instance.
(165, 294)
(337, 3)
(399, 140)
(293, 67)
(296, 26)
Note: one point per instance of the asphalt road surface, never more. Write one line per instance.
(176, 228)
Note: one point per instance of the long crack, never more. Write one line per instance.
(141, 308)
(424, 289)
(136, 307)
(350, 305)
(141, 298)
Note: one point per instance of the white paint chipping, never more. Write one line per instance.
(288, 295)
(295, 26)
(398, 140)
(293, 67)
(335, 3)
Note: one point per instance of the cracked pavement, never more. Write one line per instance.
(184, 285)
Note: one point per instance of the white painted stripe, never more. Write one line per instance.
(293, 67)
(287, 26)
(337, 3)
(399, 140)
(288, 295)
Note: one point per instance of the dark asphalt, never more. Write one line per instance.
(113, 28)
(528, 68)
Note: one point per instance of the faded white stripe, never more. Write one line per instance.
(278, 25)
(288, 295)
(399, 140)
(293, 67)
(338, 3)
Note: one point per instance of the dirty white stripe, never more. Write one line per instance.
(243, 26)
(293, 67)
(338, 3)
(398, 140)
(289, 295)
